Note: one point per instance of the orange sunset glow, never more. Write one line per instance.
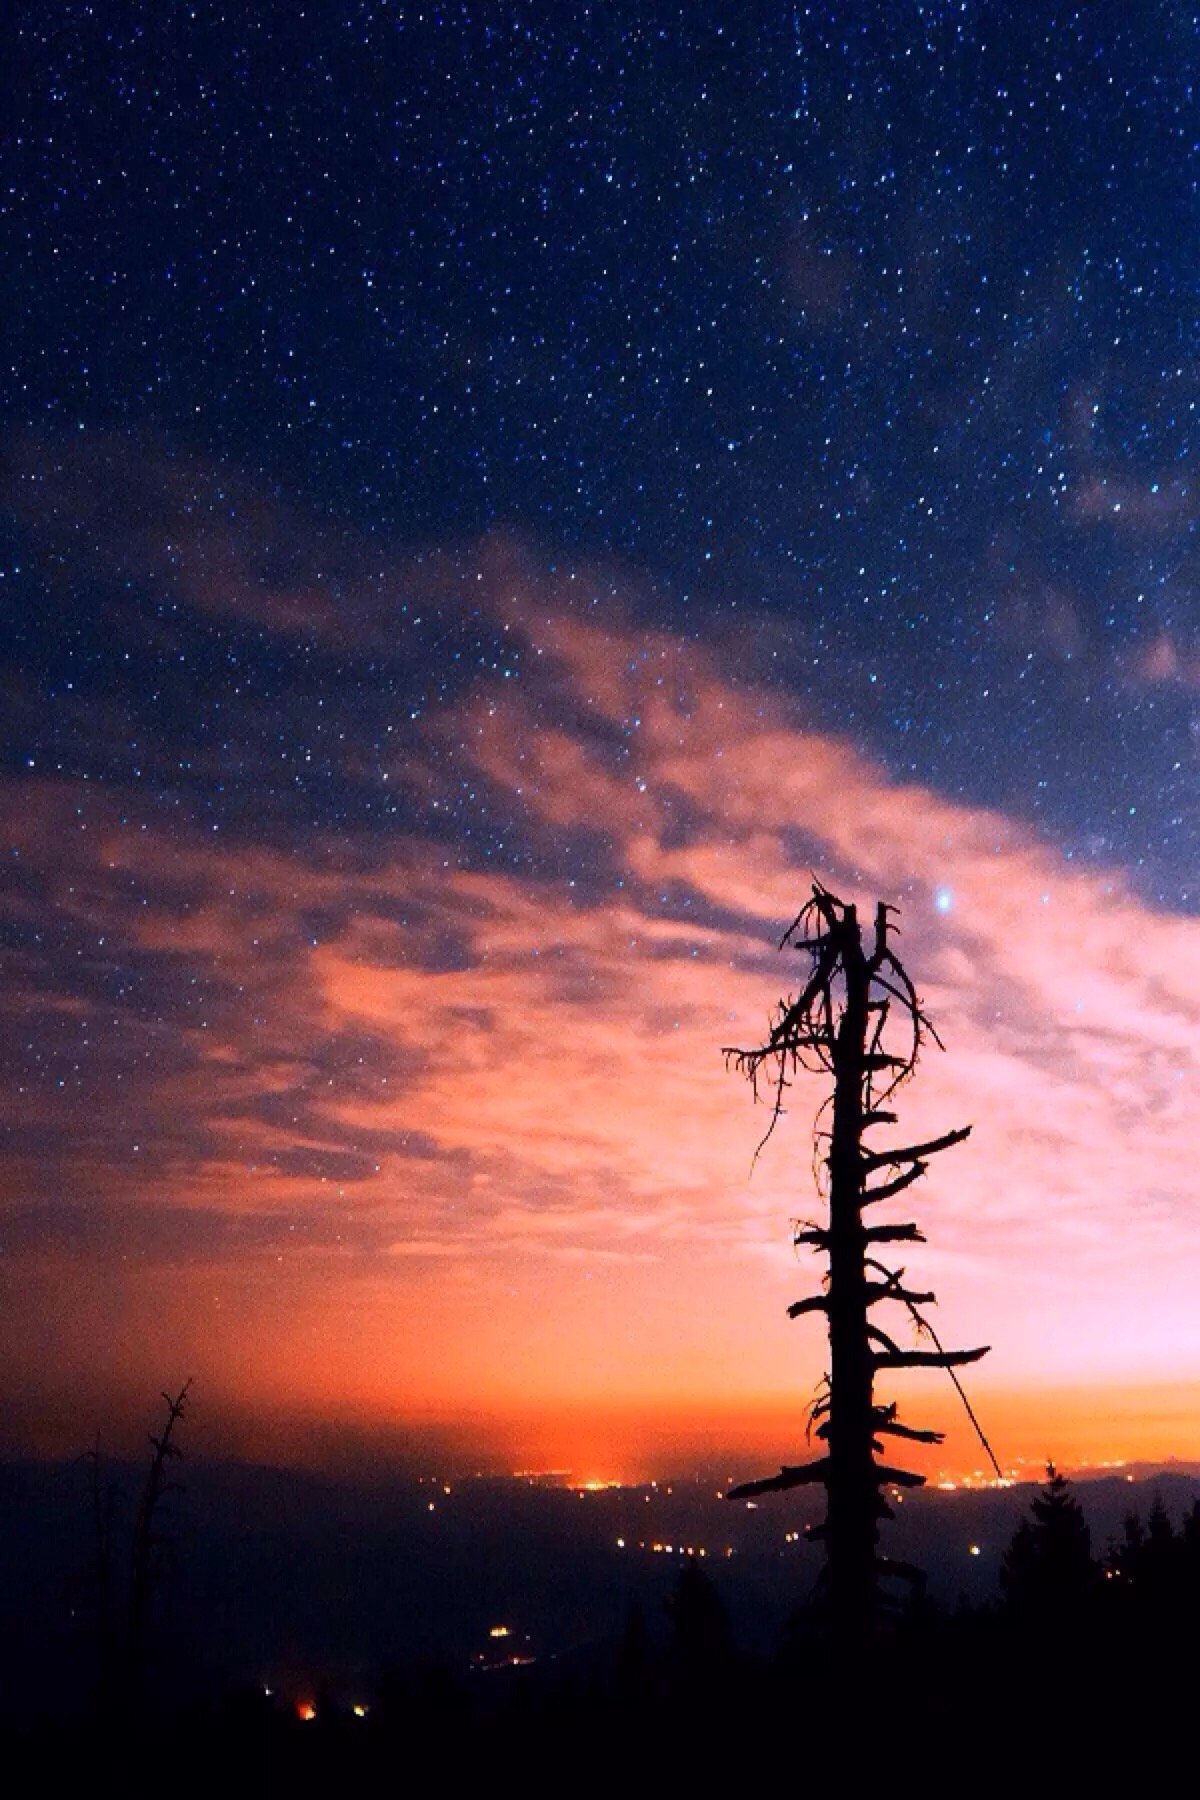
(418, 1143)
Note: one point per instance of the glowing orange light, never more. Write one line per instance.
(305, 1710)
(499, 1631)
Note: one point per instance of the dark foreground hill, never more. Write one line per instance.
(969, 1704)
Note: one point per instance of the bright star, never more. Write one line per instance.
(943, 899)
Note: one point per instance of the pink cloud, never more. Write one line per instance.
(473, 1138)
(1166, 662)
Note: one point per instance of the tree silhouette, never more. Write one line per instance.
(1162, 1549)
(1124, 1558)
(858, 1022)
(146, 1538)
(1150, 1564)
(701, 1638)
(634, 1662)
(1048, 1571)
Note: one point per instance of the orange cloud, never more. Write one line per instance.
(407, 1129)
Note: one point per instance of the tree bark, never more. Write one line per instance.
(853, 1525)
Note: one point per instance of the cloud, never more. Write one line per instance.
(433, 1100)
(1150, 508)
(1167, 662)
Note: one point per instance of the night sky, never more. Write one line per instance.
(495, 498)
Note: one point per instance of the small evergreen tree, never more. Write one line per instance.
(701, 1637)
(1150, 1565)
(1049, 1572)
(1123, 1564)
(1189, 1558)
(1162, 1550)
(1191, 1534)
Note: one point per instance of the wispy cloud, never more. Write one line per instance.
(425, 1101)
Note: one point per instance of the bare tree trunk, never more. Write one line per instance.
(851, 1482)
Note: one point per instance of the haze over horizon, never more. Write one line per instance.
(491, 511)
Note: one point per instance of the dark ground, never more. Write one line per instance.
(333, 1597)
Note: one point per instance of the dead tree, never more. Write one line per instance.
(146, 1540)
(859, 1022)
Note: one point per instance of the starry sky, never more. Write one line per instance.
(495, 499)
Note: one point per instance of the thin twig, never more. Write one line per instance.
(924, 1325)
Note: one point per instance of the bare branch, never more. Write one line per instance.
(880, 1159)
(801, 1476)
(813, 1236)
(893, 1234)
(889, 1290)
(927, 1359)
(881, 1337)
(814, 1303)
(898, 1477)
(894, 1428)
(889, 1189)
